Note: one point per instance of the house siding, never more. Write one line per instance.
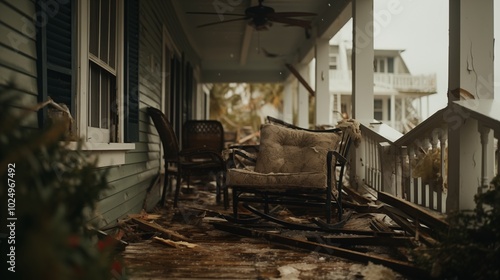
(131, 180)
(18, 64)
(18, 52)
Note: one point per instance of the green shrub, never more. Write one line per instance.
(470, 249)
(53, 190)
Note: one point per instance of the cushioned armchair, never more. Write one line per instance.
(292, 166)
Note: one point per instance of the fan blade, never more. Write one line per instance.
(291, 21)
(223, 21)
(294, 14)
(218, 14)
(269, 54)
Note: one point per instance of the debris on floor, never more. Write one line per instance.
(199, 239)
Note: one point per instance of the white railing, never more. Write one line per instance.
(406, 82)
(376, 153)
(414, 166)
(400, 82)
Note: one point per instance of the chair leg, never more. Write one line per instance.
(177, 188)
(217, 188)
(339, 202)
(235, 203)
(165, 186)
(226, 191)
(328, 205)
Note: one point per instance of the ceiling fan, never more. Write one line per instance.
(262, 17)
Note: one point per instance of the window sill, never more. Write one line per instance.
(107, 154)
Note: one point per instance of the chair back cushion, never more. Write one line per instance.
(287, 150)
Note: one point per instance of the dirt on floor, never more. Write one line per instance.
(184, 243)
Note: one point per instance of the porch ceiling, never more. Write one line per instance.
(235, 52)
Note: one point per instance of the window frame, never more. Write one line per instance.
(333, 61)
(86, 131)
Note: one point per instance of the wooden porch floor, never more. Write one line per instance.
(221, 255)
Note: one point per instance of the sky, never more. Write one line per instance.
(420, 27)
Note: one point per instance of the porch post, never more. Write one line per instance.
(470, 71)
(392, 110)
(323, 109)
(303, 104)
(288, 102)
(362, 74)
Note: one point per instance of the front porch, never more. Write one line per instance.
(217, 249)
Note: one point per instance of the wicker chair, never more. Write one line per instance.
(209, 135)
(185, 162)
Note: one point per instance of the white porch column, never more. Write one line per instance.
(362, 75)
(392, 109)
(288, 102)
(470, 70)
(303, 104)
(322, 88)
(362, 64)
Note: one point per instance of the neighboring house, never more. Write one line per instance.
(397, 93)
(103, 60)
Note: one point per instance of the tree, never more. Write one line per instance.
(241, 105)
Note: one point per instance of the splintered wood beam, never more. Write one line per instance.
(402, 220)
(413, 211)
(378, 225)
(400, 266)
(300, 78)
(166, 233)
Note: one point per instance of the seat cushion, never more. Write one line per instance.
(286, 150)
(275, 181)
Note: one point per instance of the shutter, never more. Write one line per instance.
(131, 97)
(55, 64)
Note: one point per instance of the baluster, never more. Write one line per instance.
(376, 162)
(484, 133)
(366, 161)
(433, 187)
(426, 186)
(497, 151)
(443, 138)
(402, 184)
(411, 162)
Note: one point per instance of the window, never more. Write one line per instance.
(102, 121)
(383, 65)
(378, 110)
(333, 61)
(390, 64)
(88, 60)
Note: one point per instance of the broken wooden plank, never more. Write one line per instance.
(356, 196)
(407, 226)
(147, 226)
(379, 225)
(400, 266)
(175, 244)
(414, 211)
(397, 241)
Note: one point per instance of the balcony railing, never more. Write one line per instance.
(414, 166)
(399, 82)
